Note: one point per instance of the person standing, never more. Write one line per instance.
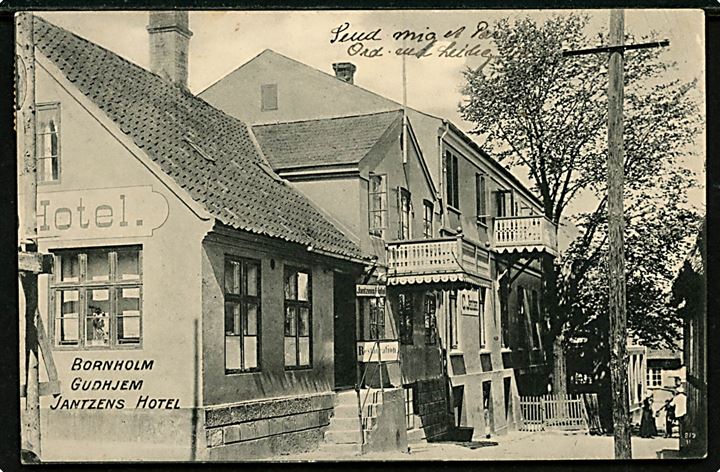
(669, 417)
(680, 404)
(647, 422)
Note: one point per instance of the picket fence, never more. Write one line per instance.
(565, 412)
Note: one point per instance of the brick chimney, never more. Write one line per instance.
(169, 41)
(345, 71)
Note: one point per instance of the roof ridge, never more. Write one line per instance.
(329, 118)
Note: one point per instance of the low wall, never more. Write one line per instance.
(260, 429)
(389, 433)
(431, 406)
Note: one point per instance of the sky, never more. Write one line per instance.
(224, 40)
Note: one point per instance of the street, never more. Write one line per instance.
(514, 446)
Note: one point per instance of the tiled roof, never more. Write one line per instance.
(208, 153)
(341, 140)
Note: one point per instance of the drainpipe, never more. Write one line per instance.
(441, 182)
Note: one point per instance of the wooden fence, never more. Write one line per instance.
(565, 412)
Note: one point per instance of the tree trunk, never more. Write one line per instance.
(559, 385)
(556, 353)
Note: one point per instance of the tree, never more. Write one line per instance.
(547, 115)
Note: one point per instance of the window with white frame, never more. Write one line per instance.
(452, 181)
(96, 297)
(427, 219)
(481, 321)
(405, 317)
(453, 314)
(654, 377)
(405, 210)
(377, 206)
(481, 198)
(430, 316)
(376, 308)
(298, 318)
(242, 314)
(48, 142)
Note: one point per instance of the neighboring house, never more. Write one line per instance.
(192, 305)
(690, 296)
(468, 268)
(636, 378)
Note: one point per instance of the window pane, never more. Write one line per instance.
(304, 321)
(290, 316)
(376, 183)
(303, 280)
(128, 329)
(46, 169)
(128, 265)
(304, 350)
(291, 286)
(251, 319)
(55, 168)
(68, 329)
(67, 308)
(98, 266)
(232, 277)
(129, 301)
(251, 271)
(97, 324)
(70, 268)
(378, 220)
(290, 354)
(379, 202)
(232, 318)
(250, 352)
(232, 352)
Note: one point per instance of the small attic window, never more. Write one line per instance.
(268, 97)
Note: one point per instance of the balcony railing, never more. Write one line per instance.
(436, 256)
(525, 232)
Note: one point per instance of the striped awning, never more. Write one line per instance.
(526, 250)
(454, 278)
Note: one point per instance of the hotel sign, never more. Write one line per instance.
(470, 302)
(376, 351)
(100, 213)
(370, 290)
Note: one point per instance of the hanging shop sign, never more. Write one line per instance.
(100, 213)
(370, 290)
(378, 351)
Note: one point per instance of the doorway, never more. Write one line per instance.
(344, 331)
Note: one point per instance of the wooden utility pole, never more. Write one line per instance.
(616, 258)
(28, 185)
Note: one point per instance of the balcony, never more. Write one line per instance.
(450, 259)
(524, 233)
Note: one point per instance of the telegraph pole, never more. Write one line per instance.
(28, 183)
(616, 258)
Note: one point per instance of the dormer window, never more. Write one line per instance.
(268, 97)
(48, 142)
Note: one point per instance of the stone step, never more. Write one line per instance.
(351, 411)
(416, 436)
(344, 424)
(343, 436)
(340, 449)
